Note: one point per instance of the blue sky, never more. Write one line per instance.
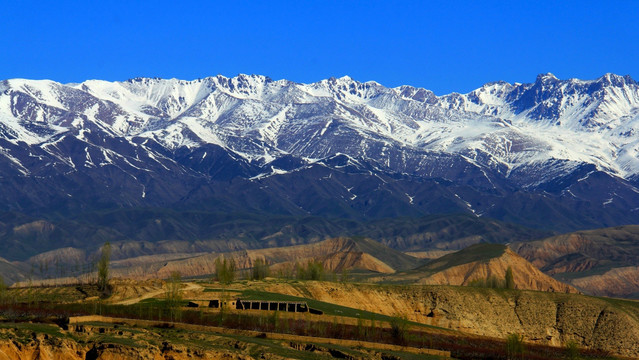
(444, 46)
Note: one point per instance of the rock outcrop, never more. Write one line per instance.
(44, 347)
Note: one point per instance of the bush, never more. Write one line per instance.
(572, 350)
(515, 346)
(399, 329)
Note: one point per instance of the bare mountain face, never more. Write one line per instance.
(554, 154)
(602, 262)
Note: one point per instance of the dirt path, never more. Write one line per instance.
(189, 287)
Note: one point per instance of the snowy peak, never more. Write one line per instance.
(499, 126)
(546, 78)
(610, 79)
(337, 147)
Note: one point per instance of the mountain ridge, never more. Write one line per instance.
(334, 148)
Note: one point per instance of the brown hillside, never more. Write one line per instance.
(337, 254)
(541, 317)
(598, 262)
(479, 262)
(526, 276)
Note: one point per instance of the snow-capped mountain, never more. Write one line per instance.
(557, 153)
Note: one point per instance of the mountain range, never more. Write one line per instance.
(553, 155)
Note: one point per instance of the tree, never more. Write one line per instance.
(225, 270)
(3, 289)
(103, 269)
(314, 270)
(345, 276)
(173, 296)
(509, 279)
(260, 269)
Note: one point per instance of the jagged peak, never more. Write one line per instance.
(4, 85)
(611, 79)
(547, 77)
(498, 82)
(144, 80)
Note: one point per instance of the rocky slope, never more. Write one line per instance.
(545, 318)
(91, 346)
(599, 262)
(337, 254)
(474, 264)
(478, 264)
(525, 275)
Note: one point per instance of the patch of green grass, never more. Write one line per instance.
(327, 308)
(23, 331)
(38, 328)
(113, 339)
(113, 326)
(218, 290)
(160, 302)
(410, 356)
(275, 347)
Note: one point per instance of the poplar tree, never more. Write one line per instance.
(103, 268)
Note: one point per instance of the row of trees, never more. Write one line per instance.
(493, 282)
(226, 271)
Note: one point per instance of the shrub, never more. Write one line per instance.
(515, 346)
(399, 330)
(572, 350)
